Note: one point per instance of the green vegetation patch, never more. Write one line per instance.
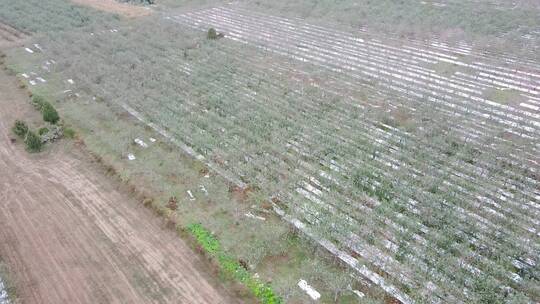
(20, 128)
(48, 111)
(33, 142)
(231, 267)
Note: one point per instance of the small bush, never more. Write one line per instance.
(20, 128)
(212, 34)
(49, 113)
(33, 142)
(43, 130)
(69, 133)
(147, 202)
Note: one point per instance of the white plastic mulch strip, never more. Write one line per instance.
(131, 156)
(141, 143)
(250, 215)
(315, 295)
(203, 189)
(29, 50)
(359, 293)
(191, 197)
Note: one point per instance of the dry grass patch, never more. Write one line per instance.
(124, 9)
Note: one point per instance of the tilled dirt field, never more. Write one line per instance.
(69, 235)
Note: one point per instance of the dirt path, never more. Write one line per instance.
(112, 6)
(70, 236)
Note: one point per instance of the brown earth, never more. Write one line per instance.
(69, 234)
(113, 6)
(10, 36)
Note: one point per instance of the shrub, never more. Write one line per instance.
(69, 133)
(20, 128)
(212, 34)
(43, 130)
(33, 142)
(147, 202)
(49, 113)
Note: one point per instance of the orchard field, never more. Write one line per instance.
(412, 157)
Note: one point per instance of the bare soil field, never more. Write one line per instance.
(10, 36)
(112, 6)
(69, 235)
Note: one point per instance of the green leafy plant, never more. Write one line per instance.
(20, 128)
(231, 267)
(49, 113)
(69, 133)
(212, 34)
(33, 142)
(43, 130)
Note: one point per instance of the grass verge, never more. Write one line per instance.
(231, 267)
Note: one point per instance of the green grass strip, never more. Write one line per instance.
(231, 267)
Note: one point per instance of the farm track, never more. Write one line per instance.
(69, 236)
(494, 211)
